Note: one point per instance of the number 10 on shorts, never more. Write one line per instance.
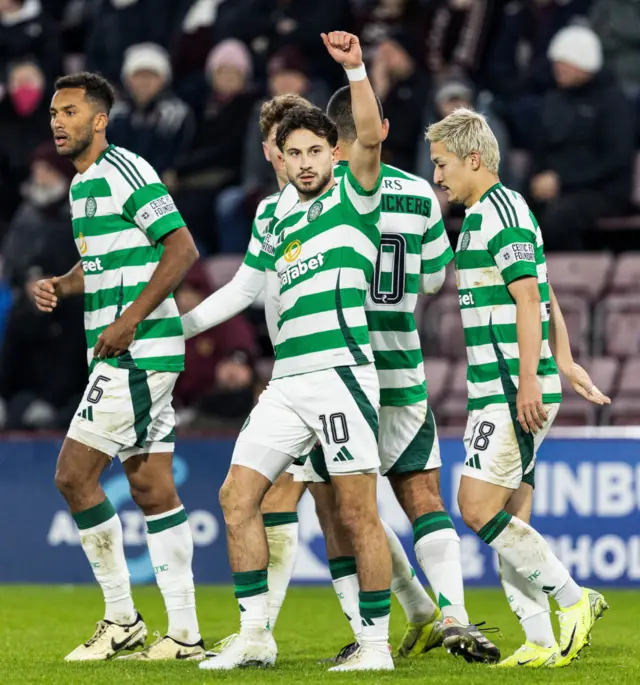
(337, 426)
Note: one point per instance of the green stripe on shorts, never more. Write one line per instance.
(416, 455)
(366, 408)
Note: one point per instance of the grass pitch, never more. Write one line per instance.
(39, 625)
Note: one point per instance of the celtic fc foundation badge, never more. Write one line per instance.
(90, 207)
(466, 239)
(314, 211)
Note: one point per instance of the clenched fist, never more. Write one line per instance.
(344, 48)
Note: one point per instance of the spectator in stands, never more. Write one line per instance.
(39, 394)
(24, 123)
(584, 154)
(403, 90)
(215, 158)
(617, 22)
(150, 120)
(27, 31)
(218, 381)
(453, 92)
(118, 24)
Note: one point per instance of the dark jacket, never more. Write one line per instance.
(586, 135)
(20, 137)
(36, 35)
(219, 138)
(159, 132)
(114, 29)
(403, 106)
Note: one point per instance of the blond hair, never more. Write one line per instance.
(465, 131)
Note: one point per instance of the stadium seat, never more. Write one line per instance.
(629, 385)
(442, 332)
(603, 372)
(622, 412)
(576, 411)
(222, 268)
(617, 223)
(617, 326)
(626, 274)
(436, 369)
(579, 274)
(577, 316)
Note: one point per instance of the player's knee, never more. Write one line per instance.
(356, 516)
(473, 513)
(237, 506)
(67, 482)
(153, 498)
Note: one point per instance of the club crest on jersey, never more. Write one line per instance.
(314, 211)
(292, 251)
(90, 207)
(465, 239)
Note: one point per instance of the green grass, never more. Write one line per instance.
(39, 625)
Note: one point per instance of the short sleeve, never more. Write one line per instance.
(266, 259)
(436, 250)
(514, 252)
(366, 203)
(252, 256)
(145, 199)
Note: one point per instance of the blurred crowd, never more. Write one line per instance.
(559, 81)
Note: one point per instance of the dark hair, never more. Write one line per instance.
(272, 111)
(97, 89)
(310, 118)
(340, 112)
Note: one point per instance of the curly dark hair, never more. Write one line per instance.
(272, 112)
(310, 118)
(97, 89)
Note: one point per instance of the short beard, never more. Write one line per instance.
(81, 145)
(307, 193)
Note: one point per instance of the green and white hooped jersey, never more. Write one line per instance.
(261, 222)
(500, 242)
(120, 210)
(324, 252)
(413, 243)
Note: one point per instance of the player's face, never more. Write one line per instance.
(308, 160)
(273, 155)
(451, 173)
(73, 121)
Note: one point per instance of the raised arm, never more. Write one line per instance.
(364, 158)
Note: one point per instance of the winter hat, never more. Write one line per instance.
(147, 56)
(230, 53)
(287, 58)
(454, 88)
(578, 46)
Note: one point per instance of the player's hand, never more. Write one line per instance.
(344, 48)
(581, 382)
(45, 293)
(531, 412)
(115, 339)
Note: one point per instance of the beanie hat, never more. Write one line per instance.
(230, 53)
(147, 56)
(578, 46)
(287, 58)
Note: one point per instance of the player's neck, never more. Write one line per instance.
(484, 182)
(344, 150)
(83, 161)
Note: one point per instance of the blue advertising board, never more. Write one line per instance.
(587, 504)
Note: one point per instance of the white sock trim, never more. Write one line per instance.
(157, 517)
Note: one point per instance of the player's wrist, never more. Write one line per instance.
(356, 73)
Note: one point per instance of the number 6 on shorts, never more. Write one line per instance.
(96, 391)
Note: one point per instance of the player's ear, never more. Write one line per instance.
(385, 129)
(265, 149)
(335, 154)
(101, 122)
(474, 158)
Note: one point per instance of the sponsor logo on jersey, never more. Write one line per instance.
(92, 265)
(83, 244)
(465, 239)
(90, 207)
(293, 272)
(314, 211)
(292, 251)
(466, 299)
